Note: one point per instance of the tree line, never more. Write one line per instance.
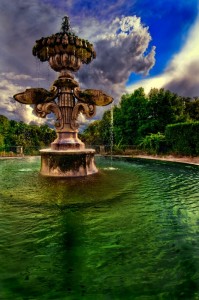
(30, 137)
(141, 119)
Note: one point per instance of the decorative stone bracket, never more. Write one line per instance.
(42, 109)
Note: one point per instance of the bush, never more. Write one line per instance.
(183, 138)
(154, 143)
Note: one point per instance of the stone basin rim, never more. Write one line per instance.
(67, 152)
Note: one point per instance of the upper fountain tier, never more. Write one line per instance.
(64, 50)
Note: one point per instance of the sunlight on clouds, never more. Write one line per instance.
(182, 73)
(130, 23)
(190, 50)
(119, 53)
(147, 84)
(13, 109)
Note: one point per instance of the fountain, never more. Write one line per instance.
(133, 235)
(65, 52)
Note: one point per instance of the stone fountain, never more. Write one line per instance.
(65, 52)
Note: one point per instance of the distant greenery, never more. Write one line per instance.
(141, 120)
(31, 137)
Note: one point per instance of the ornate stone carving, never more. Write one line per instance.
(88, 110)
(42, 109)
(96, 97)
(36, 95)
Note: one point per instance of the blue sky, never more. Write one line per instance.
(159, 49)
(169, 23)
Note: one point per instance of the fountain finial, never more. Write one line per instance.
(65, 24)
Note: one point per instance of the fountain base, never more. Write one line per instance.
(67, 163)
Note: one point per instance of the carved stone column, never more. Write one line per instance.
(67, 136)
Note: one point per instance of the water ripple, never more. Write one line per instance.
(127, 234)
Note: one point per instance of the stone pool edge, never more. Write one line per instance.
(169, 158)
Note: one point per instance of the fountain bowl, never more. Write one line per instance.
(67, 163)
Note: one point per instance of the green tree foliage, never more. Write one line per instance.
(138, 115)
(192, 108)
(92, 135)
(105, 127)
(164, 107)
(183, 138)
(4, 124)
(132, 115)
(1, 141)
(14, 134)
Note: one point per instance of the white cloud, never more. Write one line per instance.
(14, 76)
(182, 73)
(120, 46)
(120, 50)
(12, 109)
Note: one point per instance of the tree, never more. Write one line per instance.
(192, 108)
(164, 107)
(105, 128)
(133, 114)
(139, 115)
(91, 135)
(13, 133)
(4, 125)
(1, 141)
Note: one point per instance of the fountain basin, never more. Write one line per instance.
(127, 233)
(67, 163)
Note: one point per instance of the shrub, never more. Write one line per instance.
(183, 138)
(154, 143)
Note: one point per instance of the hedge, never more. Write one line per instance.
(183, 138)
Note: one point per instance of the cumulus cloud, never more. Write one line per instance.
(18, 77)
(12, 109)
(182, 73)
(121, 46)
(120, 51)
(21, 24)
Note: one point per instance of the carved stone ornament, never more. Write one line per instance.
(36, 95)
(88, 110)
(42, 109)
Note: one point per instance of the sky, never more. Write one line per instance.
(153, 44)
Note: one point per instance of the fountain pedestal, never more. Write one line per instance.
(67, 156)
(67, 163)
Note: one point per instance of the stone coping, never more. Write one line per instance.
(67, 152)
(169, 158)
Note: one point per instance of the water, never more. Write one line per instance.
(128, 233)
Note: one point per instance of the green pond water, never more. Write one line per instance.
(131, 232)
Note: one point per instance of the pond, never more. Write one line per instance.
(129, 232)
